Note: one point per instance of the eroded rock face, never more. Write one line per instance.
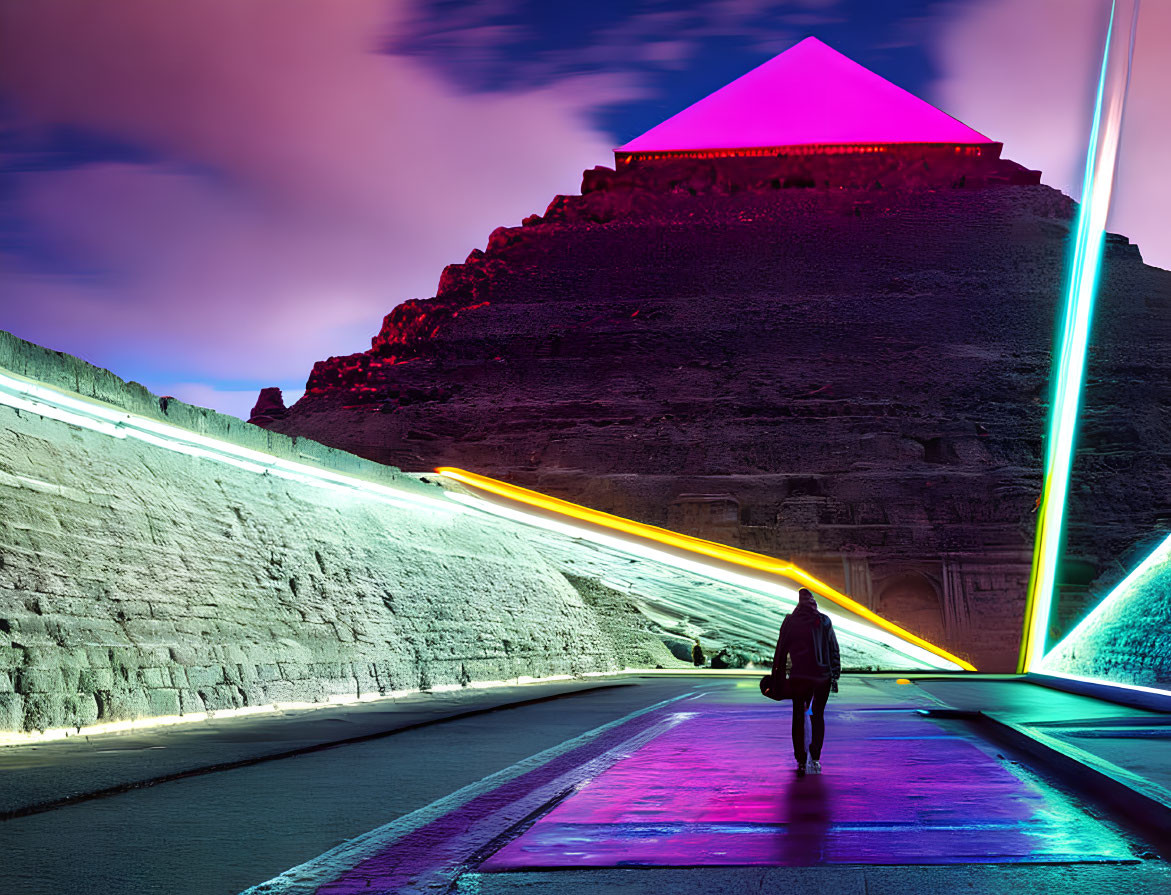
(853, 379)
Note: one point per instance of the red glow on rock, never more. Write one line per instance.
(809, 95)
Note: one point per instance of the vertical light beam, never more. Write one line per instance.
(1070, 361)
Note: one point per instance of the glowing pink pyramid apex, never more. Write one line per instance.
(808, 95)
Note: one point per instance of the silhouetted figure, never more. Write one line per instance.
(808, 647)
(697, 656)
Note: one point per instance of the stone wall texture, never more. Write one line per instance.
(1126, 641)
(138, 582)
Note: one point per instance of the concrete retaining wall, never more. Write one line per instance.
(138, 582)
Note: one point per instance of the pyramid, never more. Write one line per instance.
(809, 96)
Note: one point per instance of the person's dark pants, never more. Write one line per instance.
(805, 695)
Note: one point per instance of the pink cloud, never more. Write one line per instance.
(1024, 73)
(310, 182)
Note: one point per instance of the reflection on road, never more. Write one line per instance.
(718, 788)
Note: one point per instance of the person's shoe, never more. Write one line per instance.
(813, 767)
(800, 770)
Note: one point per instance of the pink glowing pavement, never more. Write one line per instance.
(808, 95)
(705, 780)
(717, 788)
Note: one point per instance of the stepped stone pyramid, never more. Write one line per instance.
(832, 352)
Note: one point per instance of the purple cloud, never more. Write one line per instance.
(303, 181)
(1024, 73)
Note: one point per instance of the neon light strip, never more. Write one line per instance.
(32, 397)
(1070, 363)
(1160, 554)
(784, 595)
(743, 558)
(1104, 683)
(331, 702)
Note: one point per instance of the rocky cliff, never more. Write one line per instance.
(844, 365)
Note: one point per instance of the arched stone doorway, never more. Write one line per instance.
(912, 600)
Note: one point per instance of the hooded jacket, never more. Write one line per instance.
(807, 638)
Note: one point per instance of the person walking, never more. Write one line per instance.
(697, 656)
(807, 648)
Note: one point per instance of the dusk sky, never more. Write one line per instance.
(209, 196)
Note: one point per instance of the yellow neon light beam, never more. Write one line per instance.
(734, 555)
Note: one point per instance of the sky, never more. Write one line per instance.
(208, 196)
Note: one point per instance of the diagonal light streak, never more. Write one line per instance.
(1070, 361)
(29, 396)
(643, 539)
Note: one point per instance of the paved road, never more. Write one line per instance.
(564, 795)
(44, 774)
(222, 832)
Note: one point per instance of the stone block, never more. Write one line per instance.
(163, 702)
(293, 671)
(70, 678)
(80, 710)
(39, 680)
(90, 680)
(222, 697)
(205, 676)
(44, 711)
(131, 610)
(192, 627)
(125, 662)
(12, 656)
(190, 702)
(167, 611)
(282, 691)
(185, 654)
(155, 678)
(122, 704)
(150, 631)
(31, 631)
(11, 712)
(98, 656)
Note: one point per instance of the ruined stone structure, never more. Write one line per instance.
(136, 581)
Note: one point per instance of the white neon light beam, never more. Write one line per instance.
(32, 397)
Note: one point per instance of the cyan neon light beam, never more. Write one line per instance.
(1070, 361)
(745, 559)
